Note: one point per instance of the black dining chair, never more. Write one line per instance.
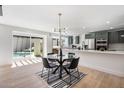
(70, 56)
(73, 66)
(48, 66)
(51, 59)
(50, 53)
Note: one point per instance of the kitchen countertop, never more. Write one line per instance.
(105, 61)
(96, 51)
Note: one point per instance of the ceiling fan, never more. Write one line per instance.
(1, 12)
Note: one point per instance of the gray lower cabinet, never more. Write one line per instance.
(114, 37)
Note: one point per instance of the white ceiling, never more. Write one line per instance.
(75, 17)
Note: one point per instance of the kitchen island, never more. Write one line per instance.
(107, 61)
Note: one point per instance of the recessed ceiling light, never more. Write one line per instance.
(108, 22)
(111, 27)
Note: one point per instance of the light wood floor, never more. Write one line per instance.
(24, 77)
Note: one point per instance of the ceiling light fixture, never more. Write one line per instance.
(108, 22)
(111, 27)
(60, 30)
(84, 27)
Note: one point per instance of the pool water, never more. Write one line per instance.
(21, 54)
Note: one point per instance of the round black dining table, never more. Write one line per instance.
(60, 59)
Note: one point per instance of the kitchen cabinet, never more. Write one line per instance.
(77, 40)
(90, 35)
(70, 40)
(111, 37)
(102, 35)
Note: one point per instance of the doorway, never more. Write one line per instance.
(25, 46)
(27, 49)
(36, 46)
(21, 46)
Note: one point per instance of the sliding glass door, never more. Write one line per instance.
(25, 46)
(21, 46)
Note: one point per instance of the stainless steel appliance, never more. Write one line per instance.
(90, 44)
(101, 44)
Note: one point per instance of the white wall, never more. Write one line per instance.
(82, 39)
(5, 45)
(49, 43)
(65, 45)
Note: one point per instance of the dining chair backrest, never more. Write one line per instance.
(71, 55)
(74, 63)
(50, 53)
(45, 63)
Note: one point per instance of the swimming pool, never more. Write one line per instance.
(22, 54)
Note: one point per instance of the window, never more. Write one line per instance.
(77, 40)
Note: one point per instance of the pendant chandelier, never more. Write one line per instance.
(59, 29)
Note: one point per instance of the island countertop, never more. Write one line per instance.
(106, 61)
(96, 51)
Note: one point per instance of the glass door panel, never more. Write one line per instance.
(21, 46)
(36, 46)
